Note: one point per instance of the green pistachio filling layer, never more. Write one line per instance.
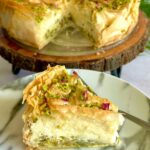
(72, 142)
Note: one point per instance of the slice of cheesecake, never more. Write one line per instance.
(105, 22)
(33, 23)
(61, 112)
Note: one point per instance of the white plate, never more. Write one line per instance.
(121, 93)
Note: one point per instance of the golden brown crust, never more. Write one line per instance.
(124, 24)
(27, 5)
(12, 5)
(36, 85)
(67, 112)
(93, 113)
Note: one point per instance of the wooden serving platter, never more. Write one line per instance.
(102, 60)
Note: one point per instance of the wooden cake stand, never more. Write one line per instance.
(103, 60)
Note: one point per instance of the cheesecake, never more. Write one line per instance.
(38, 22)
(62, 112)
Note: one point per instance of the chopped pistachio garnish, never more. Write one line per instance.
(34, 119)
(40, 100)
(54, 80)
(96, 105)
(115, 4)
(39, 11)
(45, 87)
(38, 19)
(19, 0)
(67, 88)
(52, 96)
(47, 111)
(64, 86)
(43, 106)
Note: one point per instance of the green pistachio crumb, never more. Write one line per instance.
(19, 0)
(45, 88)
(116, 4)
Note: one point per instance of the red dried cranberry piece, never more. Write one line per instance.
(105, 106)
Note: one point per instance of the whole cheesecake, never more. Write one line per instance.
(37, 22)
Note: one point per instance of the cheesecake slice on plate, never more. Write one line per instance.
(61, 112)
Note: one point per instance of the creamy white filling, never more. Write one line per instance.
(106, 26)
(31, 31)
(79, 128)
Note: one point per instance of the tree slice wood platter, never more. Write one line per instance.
(104, 60)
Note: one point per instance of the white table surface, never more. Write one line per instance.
(136, 72)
